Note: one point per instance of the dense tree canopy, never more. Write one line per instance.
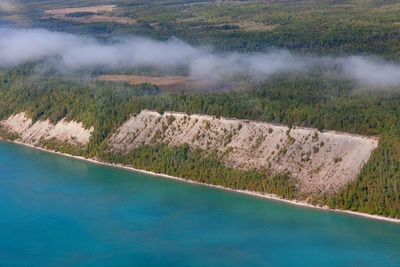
(306, 100)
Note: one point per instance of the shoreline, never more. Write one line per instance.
(246, 192)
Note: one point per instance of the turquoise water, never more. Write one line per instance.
(59, 211)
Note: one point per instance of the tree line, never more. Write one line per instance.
(296, 100)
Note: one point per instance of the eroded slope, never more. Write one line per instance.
(317, 160)
(33, 133)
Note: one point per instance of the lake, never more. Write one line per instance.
(60, 211)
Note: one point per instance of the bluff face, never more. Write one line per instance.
(318, 161)
(33, 133)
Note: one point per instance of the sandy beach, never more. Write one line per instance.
(252, 193)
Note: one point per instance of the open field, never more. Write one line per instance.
(97, 18)
(166, 84)
(88, 15)
(94, 9)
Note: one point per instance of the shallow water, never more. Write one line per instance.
(59, 211)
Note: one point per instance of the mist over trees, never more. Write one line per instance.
(71, 54)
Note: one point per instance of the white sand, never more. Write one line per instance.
(308, 155)
(32, 133)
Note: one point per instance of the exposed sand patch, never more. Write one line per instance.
(71, 132)
(318, 161)
(94, 9)
(62, 14)
(167, 83)
(97, 18)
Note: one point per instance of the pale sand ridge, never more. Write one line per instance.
(323, 161)
(32, 133)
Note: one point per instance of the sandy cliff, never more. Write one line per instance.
(32, 133)
(317, 160)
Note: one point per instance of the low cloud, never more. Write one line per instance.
(4, 4)
(69, 53)
(259, 65)
(371, 71)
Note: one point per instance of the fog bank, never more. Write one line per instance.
(69, 53)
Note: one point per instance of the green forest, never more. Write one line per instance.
(305, 100)
(309, 98)
(333, 27)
